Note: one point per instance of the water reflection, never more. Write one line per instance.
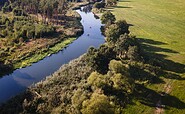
(87, 9)
(20, 79)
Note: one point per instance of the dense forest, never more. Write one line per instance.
(102, 81)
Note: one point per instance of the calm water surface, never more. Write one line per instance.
(20, 79)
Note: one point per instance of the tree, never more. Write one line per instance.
(108, 17)
(124, 27)
(133, 53)
(114, 31)
(96, 80)
(118, 67)
(99, 59)
(111, 2)
(97, 104)
(99, 5)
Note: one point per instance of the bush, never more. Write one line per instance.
(111, 2)
(108, 17)
(99, 5)
(114, 31)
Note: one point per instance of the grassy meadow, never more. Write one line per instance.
(160, 26)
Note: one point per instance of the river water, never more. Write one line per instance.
(20, 79)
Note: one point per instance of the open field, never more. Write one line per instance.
(160, 25)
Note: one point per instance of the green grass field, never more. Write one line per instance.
(160, 25)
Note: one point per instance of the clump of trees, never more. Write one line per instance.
(99, 5)
(111, 3)
(49, 10)
(101, 81)
(21, 27)
(108, 18)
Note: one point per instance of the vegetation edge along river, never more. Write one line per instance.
(111, 79)
(21, 51)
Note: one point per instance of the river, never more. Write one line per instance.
(20, 79)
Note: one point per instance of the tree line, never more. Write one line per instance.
(48, 9)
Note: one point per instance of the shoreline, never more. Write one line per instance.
(34, 56)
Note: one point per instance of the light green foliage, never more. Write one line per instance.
(18, 12)
(118, 67)
(97, 104)
(123, 83)
(97, 80)
(78, 98)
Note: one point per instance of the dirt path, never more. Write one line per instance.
(159, 109)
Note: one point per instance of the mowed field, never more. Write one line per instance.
(160, 25)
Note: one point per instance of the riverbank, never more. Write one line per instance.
(22, 78)
(34, 50)
(112, 76)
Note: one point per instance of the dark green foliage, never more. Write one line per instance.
(111, 3)
(99, 58)
(22, 27)
(114, 31)
(99, 5)
(133, 53)
(108, 17)
(5, 68)
(127, 47)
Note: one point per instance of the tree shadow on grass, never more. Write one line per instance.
(150, 98)
(122, 7)
(152, 53)
(124, 1)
